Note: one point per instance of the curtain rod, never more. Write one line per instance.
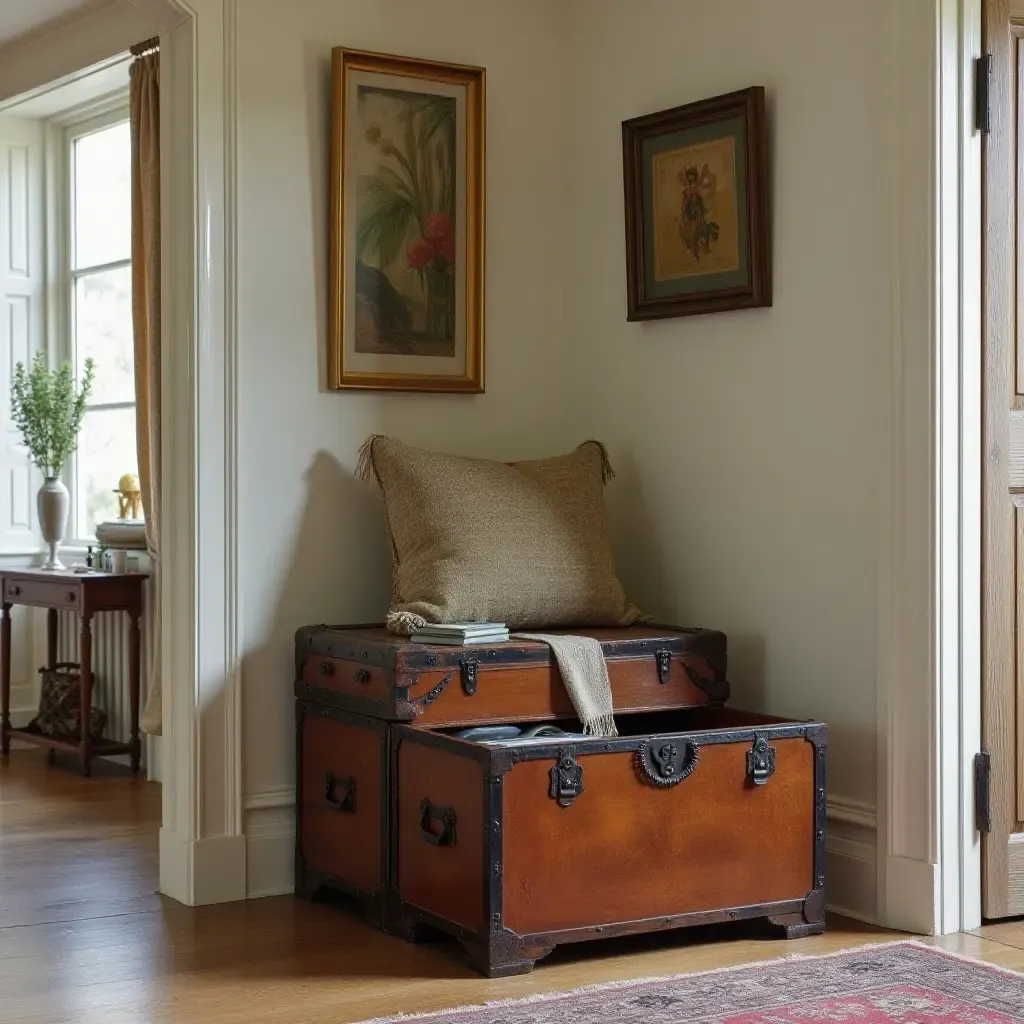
(142, 48)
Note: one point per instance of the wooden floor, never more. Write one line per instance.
(85, 939)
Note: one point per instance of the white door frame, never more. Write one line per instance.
(202, 845)
(929, 869)
(959, 446)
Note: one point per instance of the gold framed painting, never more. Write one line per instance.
(698, 232)
(407, 224)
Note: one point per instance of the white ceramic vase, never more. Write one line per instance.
(53, 504)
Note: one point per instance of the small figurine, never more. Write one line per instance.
(129, 497)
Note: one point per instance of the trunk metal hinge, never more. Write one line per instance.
(983, 94)
(983, 791)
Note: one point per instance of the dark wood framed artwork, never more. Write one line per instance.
(698, 237)
(407, 224)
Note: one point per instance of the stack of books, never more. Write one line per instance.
(461, 634)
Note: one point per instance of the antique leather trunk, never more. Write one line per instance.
(688, 817)
(695, 813)
(371, 671)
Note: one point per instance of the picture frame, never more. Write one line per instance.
(407, 224)
(698, 233)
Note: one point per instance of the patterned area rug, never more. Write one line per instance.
(897, 983)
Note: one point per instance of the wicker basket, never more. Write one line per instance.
(59, 714)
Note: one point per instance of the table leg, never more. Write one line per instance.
(85, 679)
(134, 683)
(51, 637)
(5, 681)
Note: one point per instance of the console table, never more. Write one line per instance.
(86, 594)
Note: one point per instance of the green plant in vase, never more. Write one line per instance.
(48, 410)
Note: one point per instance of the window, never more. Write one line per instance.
(98, 256)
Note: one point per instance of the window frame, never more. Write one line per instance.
(62, 132)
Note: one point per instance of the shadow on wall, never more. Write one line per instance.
(746, 670)
(640, 562)
(338, 571)
(639, 558)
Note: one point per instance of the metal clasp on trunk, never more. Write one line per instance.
(664, 660)
(469, 667)
(666, 762)
(566, 779)
(761, 761)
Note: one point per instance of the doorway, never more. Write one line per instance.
(66, 280)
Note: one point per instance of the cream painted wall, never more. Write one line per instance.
(751, 446)
(312, 537)
(749, 443)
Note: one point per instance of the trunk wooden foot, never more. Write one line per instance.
(503, 954)
(405, 930)
(479, 958)
(796, 926)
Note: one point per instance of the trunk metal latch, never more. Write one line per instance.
(566, 779)
(761, 761)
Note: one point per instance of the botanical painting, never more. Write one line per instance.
(407, 224)
(697, 220)
(696, 226)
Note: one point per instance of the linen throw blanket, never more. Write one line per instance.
(580, 659)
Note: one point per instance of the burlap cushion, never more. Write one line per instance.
(522, 543)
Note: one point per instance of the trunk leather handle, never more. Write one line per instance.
(445, 816)
(347, 804)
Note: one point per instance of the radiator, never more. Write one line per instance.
(110, 662)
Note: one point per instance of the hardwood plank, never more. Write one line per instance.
(1010, 933)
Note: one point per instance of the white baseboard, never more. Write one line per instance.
(20, 717)
(852, 859)
(911, 895)
(270, 843)
(202, 871)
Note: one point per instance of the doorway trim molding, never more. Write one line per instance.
(930, 607)
(959, 491)
(202, 845)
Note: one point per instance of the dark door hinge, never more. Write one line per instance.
(983, 93)
(983, 791)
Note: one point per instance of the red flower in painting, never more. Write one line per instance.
(439, 225)
(441, 235)
(419, 254)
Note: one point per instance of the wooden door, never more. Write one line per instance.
(1003, 462)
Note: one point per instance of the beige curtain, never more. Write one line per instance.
(145, 132)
